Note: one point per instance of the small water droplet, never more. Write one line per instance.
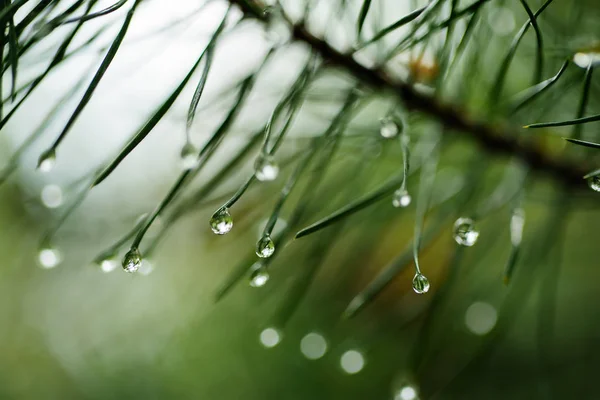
(420, 284)
(52, 196)
(132, 260)
(401, 198)
(265, 168)
(594, 183)
(464, 232)
(108, 264)
(49, 257)
(189, 156)
(481, 318)
(352, 362)
(517, 222)
(221, 222)
(270, 337)
(259, 276)
(146, 267)
(47, 160)
(388, 129)
(406, 393)
(313, 346)
(584, 59)
(501, 20)
(265, 247)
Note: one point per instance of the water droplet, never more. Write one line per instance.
(464, 232)
(108, 265)
(352, 361)
(189, 156)
(406, 393)
(501, 20)
(313, 346)
(517, 222)
(52, 196)
(259, 276)
(47, 160)
(584, 59)
(265, 168)
(49, 257)
(420, 284)
(481, 318)
(388, 129)
(594, 183)
(270, 337)
(265, 247)
(401, 198)
(132, 260)
(221, 222)
(146, 267)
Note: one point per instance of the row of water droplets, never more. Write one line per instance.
(480, 318)
(221, 222)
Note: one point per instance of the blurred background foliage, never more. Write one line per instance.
(337, 318)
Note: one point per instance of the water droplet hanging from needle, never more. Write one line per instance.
(132, 260)
(259, 275)
(584, 59)
(265, 168)
(221, 222)
(47, 160)
(265, 247)
(594, 183)
(189, 156)
(388, 129)
(420, 283)
(401, 198)
(49, 257)
(465, 232)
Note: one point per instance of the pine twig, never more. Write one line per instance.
(500, 139)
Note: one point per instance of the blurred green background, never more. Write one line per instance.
(76, 331)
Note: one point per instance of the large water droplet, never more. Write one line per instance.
(221, 222)
(401, 198)
(49, 257)
(52, 196)
(594, 183)
(47, 160)
(132, 260)
(265, 247)
(189, 156)
(265, 168)
(259, 276)
(420, 284)
(464, 232)
(388, 129)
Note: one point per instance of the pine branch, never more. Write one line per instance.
(501, 139)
